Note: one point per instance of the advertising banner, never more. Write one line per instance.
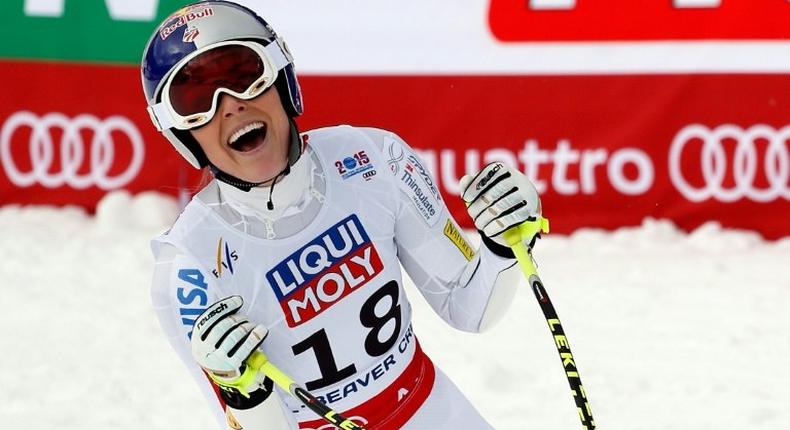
(86, 134)
(73, 124)
(628, 20)
(613, 123)
(684, 147)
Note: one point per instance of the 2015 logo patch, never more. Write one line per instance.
(357, 163)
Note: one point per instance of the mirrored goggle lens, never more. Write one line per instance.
(234, 67)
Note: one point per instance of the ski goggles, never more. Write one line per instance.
(191, 93)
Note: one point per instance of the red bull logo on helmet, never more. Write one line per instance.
(184, 17)
(320, 274)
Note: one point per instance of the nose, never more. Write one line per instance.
(229, 105)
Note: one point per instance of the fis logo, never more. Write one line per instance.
(225, 259)
(317, 276)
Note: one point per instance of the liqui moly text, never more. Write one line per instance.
(324, 271)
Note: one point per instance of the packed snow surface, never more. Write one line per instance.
(670, 330)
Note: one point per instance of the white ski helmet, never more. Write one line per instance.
(197, 28)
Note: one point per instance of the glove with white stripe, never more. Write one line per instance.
(497, 198)
(222, 341)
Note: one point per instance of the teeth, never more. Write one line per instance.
(246, 129)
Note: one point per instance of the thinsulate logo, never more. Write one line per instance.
(629, 20)
(81, 30)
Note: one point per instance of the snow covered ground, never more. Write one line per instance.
(669, 330)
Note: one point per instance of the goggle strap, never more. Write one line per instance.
(160, 116)
(277, 55)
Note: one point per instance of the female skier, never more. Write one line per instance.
(295, 247)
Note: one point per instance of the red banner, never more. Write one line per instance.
(84, 133)
(604, 151)
(629, 20)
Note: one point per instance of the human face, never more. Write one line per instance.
(247, 138)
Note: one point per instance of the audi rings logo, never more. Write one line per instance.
(714, 163)
(71, 150)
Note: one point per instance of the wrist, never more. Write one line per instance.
(238, 400)
(247, 380)
(497, 248)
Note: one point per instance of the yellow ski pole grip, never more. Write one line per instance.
(272, 372)
(515, 237)
(247, 379)
(259, 362)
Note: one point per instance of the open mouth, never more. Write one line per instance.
(249, 137)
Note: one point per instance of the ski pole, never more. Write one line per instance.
(258, 361)
(515, 238)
